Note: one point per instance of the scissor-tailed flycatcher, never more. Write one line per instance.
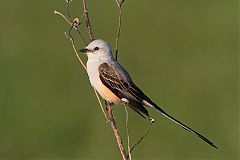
(115, 85)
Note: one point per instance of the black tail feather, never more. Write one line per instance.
(182, 125)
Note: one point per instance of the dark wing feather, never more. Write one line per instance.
(122, 88)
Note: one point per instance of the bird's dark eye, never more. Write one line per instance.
(96, 48)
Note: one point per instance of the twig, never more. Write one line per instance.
(119, 3)
(69, 36)
(60, 14)
(89, 28)
(99, 101)
(118, 31)
(115, 130)
(151, 121)
(67, 8)
(71, 24)
(128, 138)
(78, 23)
(80, 34)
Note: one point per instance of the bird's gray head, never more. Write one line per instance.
(98, 50)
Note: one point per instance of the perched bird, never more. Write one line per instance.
(115, 85)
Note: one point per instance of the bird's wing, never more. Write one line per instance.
(115, 80)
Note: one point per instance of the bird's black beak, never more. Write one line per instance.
(84, 50)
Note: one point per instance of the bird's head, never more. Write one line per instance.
(98, 50)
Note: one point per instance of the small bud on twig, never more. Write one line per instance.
(152, 120)
(68, 1)
(76, 22)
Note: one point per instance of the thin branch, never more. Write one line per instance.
(60, 14)
(67, 8)
(151, 121)
(118, 31)
(89, 28)
(119, 3)
(99, 101)
(128, 138)
(72, 24)
(78, 22)
(80, 34)
(115, 131)
(69, 36)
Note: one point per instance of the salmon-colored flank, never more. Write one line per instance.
(109, 94)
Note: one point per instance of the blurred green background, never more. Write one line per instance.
(183, 54)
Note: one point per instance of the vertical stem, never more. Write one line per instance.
(89, 28)
(128, 138)
(115, 131)
(118, 32)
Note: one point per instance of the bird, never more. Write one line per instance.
(115, 85)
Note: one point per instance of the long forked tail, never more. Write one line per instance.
(158, 109)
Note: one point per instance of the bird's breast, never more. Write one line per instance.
(93, 74)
